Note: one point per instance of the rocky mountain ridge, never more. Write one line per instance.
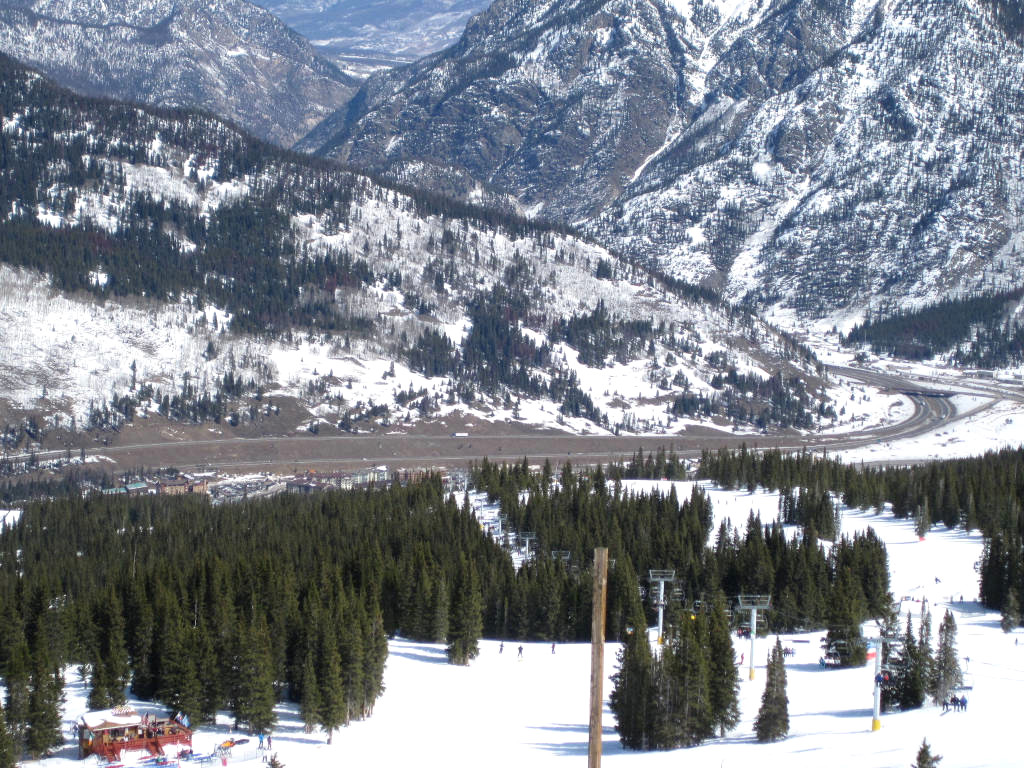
(228, 57)
(822, 154)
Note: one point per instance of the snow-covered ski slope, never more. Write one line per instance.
(532, 713)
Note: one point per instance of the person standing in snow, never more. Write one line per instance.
(501, 647)
(520, 651)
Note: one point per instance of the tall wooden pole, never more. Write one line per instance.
(597, 655)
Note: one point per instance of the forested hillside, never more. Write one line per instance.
(214, 268)
(984, 331)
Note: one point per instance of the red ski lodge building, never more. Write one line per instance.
(110, 732)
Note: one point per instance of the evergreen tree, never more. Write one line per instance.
(309, 703)
(724, 677)
(467, 616)
(374, 659)
(331, 683)
(910, 676)
(140, 632)
(8, 752)
(685, 661)
(254, 696)
(179, 686)
(17, 683)
(926, 657)
(351, 646)
(110, 671)
(772, 721)
(631, 699)
(923, 519)
(947, 675)
(847, 610)
(46, 694)
(1011, 612)
(925, 758)
(439, 621)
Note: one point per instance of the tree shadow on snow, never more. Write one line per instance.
(845, 713)
(581, 747)
(430, 655)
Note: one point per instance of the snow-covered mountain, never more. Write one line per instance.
(362, 34)
(228, 57)
(165, 262)
(820, 153)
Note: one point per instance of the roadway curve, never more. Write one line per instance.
(291, 453)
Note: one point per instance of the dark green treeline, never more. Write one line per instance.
(232, 607)
(651, 531)
(239, 606)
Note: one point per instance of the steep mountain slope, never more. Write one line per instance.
(883, 162)
(555, 103)
(361, 32)
(228, 57)
(821, 153)
(193, 271)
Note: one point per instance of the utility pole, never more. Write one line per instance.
(600, 599)
(662, 577)
(754, 603)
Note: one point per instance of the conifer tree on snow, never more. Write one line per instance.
(631, 699)
(1011, 612)
(331, 683)
(947, 675)
(46, 694)
(685, 661)
(8, 753)
(16, 680)
(309, 703)
(772, 721)
(724, 677)
(254, 696)
(926, 658)
(179, 686)
(911, 681)
(374, 658)
(439, 621)
(925, 758)
(351, 647)
(466, 624)
(923, 519)
(110, 668)
(140, 650)
(847, 609)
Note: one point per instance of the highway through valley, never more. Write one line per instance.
(932, 409)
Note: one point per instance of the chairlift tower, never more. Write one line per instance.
(526, 537)
(753, 604)
(663, 577)
(876, 716)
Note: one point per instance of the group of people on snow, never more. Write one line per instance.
(958, 704)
